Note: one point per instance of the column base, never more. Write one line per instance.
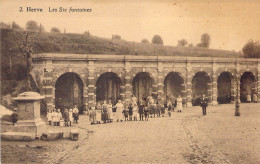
(189, 104)
(36, 126)
(214, 103)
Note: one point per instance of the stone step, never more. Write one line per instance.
(17, 136)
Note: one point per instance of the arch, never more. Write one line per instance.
(173, 86)
(200, 86)
(69, 91)
(108, 87)
(247, 85)
(224, 85)
(142, 85)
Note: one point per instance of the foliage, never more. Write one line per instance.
(55, 30)
(4, 25)
(116, 37)
(32, 25)
(145, 41)
(16, 26)
(252, 49)
(182, 42)
(157, 39)
(205, 40)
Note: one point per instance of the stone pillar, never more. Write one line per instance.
(233, 89)
(183, 94)
(258, 82)
(209, 93)
(128, 84)
(237, 88)
(237, 82)
(160, 83)
(189, 85)
(91, 83)
(48, 85)
(29, 118)
(214, 86)
(85, 98)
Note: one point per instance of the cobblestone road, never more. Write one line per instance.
(175, 139)
(186, 137)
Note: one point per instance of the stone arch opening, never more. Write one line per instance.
(247, 85)
(142, 85)
(108, 87)
(224, 86)
(69, 91)
(173, 86)
(200, 86)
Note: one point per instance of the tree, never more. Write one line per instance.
(16, 26)
(116, 37)
(4, 25)
(182, 42)
(32, 25)
(157, 40)
(145, 41)
(41, 28)
(252, 49)
(55, 30)
(190, 45)
(205, 40)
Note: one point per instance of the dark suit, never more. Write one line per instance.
(204, 104)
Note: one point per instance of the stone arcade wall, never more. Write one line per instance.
(49, 67)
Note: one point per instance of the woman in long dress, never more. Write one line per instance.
(110, 111)
(98, 113)
(105, 112)
(119, 111)
(179, 104)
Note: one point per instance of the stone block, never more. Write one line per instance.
(74, 134)
(52, 135)
(17, 136)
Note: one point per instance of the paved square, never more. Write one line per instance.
(186, 137)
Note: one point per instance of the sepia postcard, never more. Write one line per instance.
(127, 81)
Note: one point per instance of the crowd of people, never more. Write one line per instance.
(69, 116)
(132, 110)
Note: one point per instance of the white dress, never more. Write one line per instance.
(135, 111)
(49, 116)
(71, 116)
(179, 103)
(110, 111)
(119, 110)
(248, 98)
(98, 115)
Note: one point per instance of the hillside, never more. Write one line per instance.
(44, 42)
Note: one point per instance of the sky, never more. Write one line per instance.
(230, 23)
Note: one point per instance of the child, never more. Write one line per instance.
(98, 113)
(92, 114)
(162, 110)
(54, 117)
(66, 117)
(135, 111)
(169, 106)
(125, 112)
(49, 116)
(76, 114)
(130, 111)
(146, 113)
(70, 117)
(59, 117)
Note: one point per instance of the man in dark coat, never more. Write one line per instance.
(204, 104)
(141, 110)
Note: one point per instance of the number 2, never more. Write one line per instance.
(21, 9)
